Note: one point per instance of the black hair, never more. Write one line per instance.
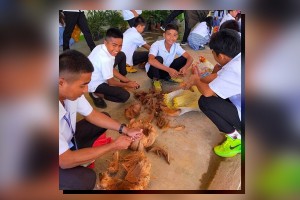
(209, 22)
(139, 21)
(227, 42)
(171, 27)
(230, 24)
(238, 16)
(114, 33)
(75, 62)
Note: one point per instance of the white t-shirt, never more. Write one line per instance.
(201, 29)
(226, 18)
(103, 63)
(158, 48)
(228, 82)
(127, 14)
(132, 39)
(80, 105)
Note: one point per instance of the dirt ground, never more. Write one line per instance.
(193, 163)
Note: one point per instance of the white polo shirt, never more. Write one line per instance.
(158, 48)
(132, 39)
(226, 18)
(127, 14)
(228, 82)
(103, 63)
(80, 105)
(201, 29)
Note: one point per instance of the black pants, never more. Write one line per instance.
(156, 73)
(221, 112)
(81, 178)
(71, 19)
(120, 60)
(113, 93)
(171, 17)
(140, 57)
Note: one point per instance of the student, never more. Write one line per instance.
(131, 41)
(221, 90)
(161, 63)
(103, 83)
(230, 15)
(218, 15)
(62, 25)
(231, 24)
(201, 34)
(76, 139)
(73, 17)
(131, 15)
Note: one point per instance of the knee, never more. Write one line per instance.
(202, 102)
(122, 55)
(160, 59)
(90, 180)
(124, 97)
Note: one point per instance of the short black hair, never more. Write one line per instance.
(230, 24)
(139, 21)
(74, 62)
(171, 27)
(227, 42)
(114, 33)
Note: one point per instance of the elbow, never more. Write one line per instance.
(207, 93)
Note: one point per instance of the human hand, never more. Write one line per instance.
(122, 142)
(133, 84)
(183, 70)
(134, 133)
(173, 73)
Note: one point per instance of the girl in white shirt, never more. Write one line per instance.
(201, 34)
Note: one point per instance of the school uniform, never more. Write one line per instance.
(75, 136)
(103, 63)
(225, 110)
(199, 36)
(73, 17)
(129, 16)
(132, 39)
(226, 18)
(158, 49)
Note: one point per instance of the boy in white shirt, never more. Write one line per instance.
(162, 63)
(200, 35)
(131, 41)
(76, 139)
(103, 83)
(221, 90)
(230, 15)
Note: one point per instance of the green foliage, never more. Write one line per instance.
(96, 21)
(155, 16)
(115, 19)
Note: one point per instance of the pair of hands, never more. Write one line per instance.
(174, 73)
(124, 141)
(133, 84)
(196, 74)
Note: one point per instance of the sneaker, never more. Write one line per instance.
(183, 43)
(99, 102)
(162, 28)
(130, 69)
(157, 85)
(229, 148)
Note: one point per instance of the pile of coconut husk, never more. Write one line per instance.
(130, 173)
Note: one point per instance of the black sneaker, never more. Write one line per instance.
(99, 102)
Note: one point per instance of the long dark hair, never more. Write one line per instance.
(209, 22)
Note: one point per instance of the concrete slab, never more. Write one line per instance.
(193, 165)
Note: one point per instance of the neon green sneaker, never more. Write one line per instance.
(229, 148)
(157, 85)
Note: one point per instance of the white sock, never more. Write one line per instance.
(94, 95)
(235, 135)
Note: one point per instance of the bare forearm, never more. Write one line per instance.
(209, 78)
(204, 88)
(146, 46)
(188, 62)
(158, 65)
(75, 158)
(113, 82)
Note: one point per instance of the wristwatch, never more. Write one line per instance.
(121, 128)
